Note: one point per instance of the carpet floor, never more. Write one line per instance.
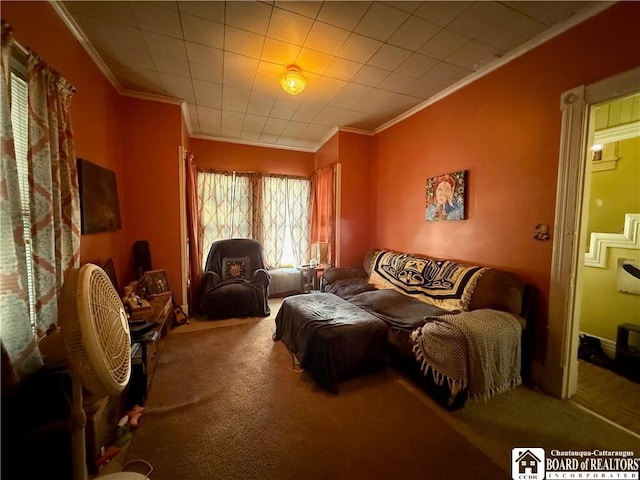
(225, 403)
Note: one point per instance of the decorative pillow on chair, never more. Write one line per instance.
(236, 268)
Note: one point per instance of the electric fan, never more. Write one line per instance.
(95, 331)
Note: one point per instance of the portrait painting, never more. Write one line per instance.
(446, 197)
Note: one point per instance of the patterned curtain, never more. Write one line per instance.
(54, 198)
(194, 233)
(17, 334)
(299, 208)
(273, 218)
(323, 228)
(225, 207)
(54, 207)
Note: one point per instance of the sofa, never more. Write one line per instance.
(491, 305)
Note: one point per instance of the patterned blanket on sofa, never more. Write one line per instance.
(443, 283)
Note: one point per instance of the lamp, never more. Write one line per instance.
(292, 81)
(320, 253)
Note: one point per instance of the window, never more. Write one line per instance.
(19, 116)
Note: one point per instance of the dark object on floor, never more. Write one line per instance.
(627, 356)
(591, 351)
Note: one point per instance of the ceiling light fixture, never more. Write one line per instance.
(292, 81)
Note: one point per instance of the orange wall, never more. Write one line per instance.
(95, 109)
(505, 130)
(353, 152)
(152, 137)
(212, 155)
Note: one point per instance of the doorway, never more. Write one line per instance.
(578, 105)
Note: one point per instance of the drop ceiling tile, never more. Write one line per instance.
(471, 54)
(232, 132)
(178, 86)
(253, 123)
(414, 33)
(260, 103)
(167, 46)
(274, 126)
(342, 69)
(235, 93)
(328, 86)
(232, 120)
(308, 9)
(284, 107)
(408, 7)
(306, 112)
(250, 136)
(312, 61)
(239, 70)
(192, 112)
(421, 88)
(170, 65)
(137, 79)
(343, 14)
(395, 82)
(293, 129)
(359, 48)
(252, 16)
(289, 27)
(389, 57)
(204, 32)
(158, 19)
(117, 12)
(204, 72)
(350, 96)
(370, 76)
(443, 44)
(446, 74)
(269, 138)
(208, 94)
(207, 10)
(234, 105)
(209, 118)
(441, 13)
(243, 42)
(315, 132)
(477, 18)
(133, 58)
(549, 13)
(326, 38)
(381, 21)
(108, 33)
(416, 65)
(275, 51)
(511, 31)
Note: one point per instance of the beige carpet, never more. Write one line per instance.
(225, 404)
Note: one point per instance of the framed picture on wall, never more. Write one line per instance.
(153, 282)
(446, 197)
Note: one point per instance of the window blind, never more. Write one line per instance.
(19, 123)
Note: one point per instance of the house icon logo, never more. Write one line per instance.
(527, 463)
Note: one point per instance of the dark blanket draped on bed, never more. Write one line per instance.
(331, 338)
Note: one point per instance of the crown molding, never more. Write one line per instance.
(254, 144)
(527, 47)
(153, 97)
(84, 41)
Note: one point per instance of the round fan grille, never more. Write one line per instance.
(96, 331)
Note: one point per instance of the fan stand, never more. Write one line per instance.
(78, 447)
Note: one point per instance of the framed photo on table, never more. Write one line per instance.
(152, 283)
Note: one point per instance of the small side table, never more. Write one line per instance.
(627, 357)
(311, 277)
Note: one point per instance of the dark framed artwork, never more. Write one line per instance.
(446, 197)
(99, 207)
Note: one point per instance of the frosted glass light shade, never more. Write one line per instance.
(292, 81)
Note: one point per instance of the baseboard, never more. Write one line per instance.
(608, 346)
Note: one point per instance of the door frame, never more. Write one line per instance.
(561, 362)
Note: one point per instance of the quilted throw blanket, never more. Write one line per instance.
(479, 350)
(443, 283)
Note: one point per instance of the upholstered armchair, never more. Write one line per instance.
(235, 282)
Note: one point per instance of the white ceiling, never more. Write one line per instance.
(367, 63)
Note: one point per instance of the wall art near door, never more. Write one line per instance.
(446, 196)
(99, 207)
